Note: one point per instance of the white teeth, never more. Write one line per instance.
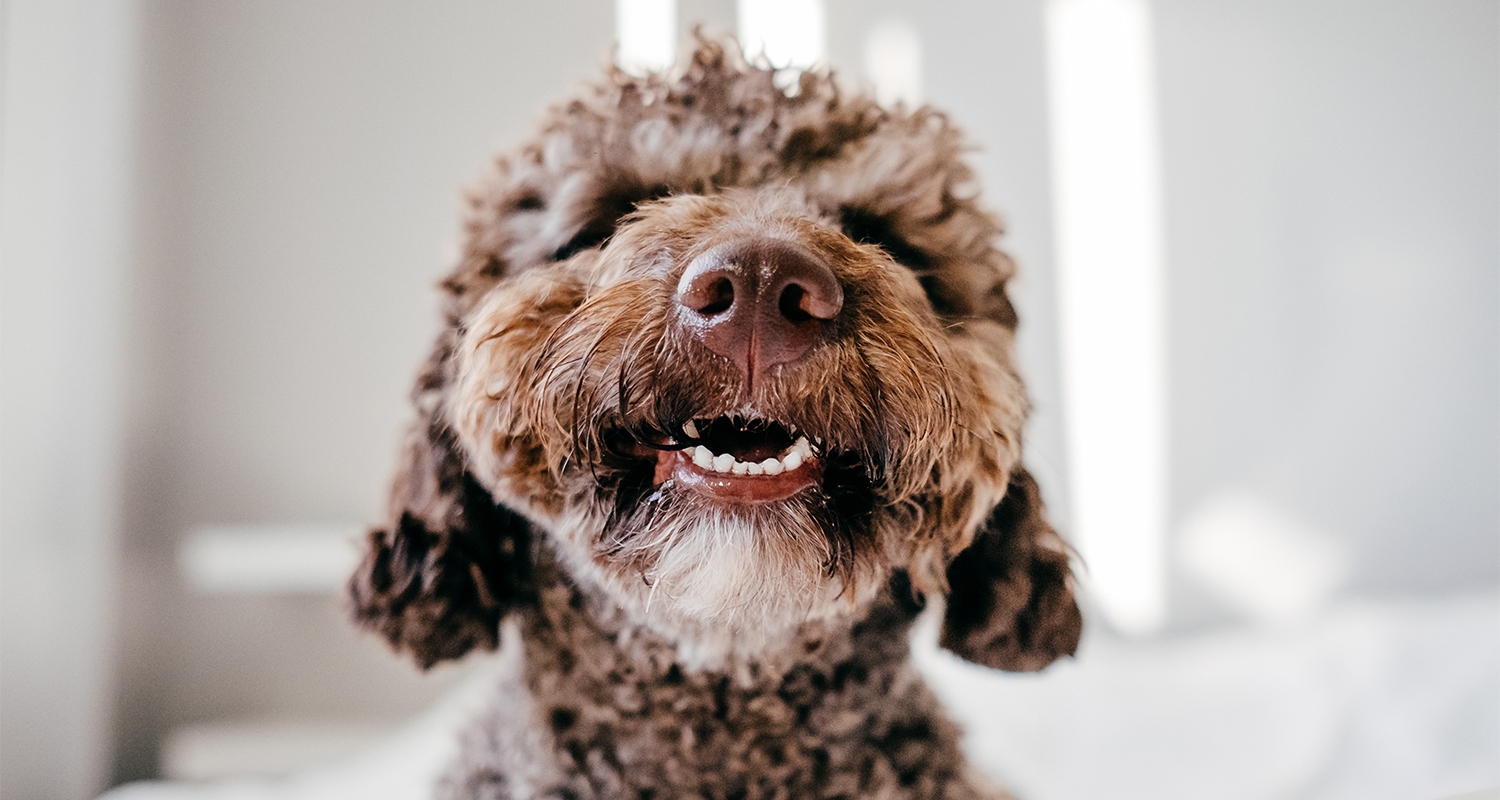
(791, 459)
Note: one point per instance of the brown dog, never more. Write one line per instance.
(726, 395)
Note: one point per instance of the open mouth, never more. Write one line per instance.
(750, 461)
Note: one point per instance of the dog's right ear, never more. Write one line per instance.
(1010, 600)
(450, 562)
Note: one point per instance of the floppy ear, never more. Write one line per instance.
(449, 562)
(1010, 599)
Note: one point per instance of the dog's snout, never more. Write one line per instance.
(759, 302)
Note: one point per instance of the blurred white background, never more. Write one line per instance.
(221, 222)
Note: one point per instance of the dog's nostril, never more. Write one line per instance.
(719, 297)
(815, 294)
(707, 293)
(792, 298)
(803, 287)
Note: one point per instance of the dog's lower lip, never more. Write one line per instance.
(678, 465)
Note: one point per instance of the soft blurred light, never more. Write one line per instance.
(263, 749)
(269, 559)
(1110, 286)
(647, 34)
(893, 62)
(1263, 561)
(790, 33)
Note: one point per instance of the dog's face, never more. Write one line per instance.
(744, 359)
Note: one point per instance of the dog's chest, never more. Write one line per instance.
(587, 712)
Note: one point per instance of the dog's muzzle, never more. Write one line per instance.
(758, 302)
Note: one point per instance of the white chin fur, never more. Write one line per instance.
(723, 570)
(730, 582)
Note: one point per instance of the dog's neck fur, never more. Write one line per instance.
(592, 705)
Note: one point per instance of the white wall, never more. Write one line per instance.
(1333, 216)
(65, 252)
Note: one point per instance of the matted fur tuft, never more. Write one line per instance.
(652, 618)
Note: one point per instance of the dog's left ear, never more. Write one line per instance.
(450, 562)
(1010, 599)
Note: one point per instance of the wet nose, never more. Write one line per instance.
(759, 302)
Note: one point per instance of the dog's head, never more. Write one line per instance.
(744, 357)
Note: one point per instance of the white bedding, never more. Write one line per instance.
(1374, 700)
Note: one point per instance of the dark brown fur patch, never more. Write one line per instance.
(1010, 600)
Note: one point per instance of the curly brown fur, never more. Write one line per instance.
(670, 641)
(596, 706)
